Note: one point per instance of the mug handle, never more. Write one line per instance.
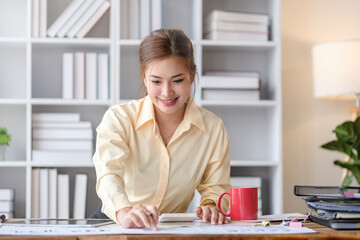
(219, 204)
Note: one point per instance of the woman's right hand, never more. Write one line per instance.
(138, 216)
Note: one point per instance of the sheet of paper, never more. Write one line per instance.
(280, 217)
(195, 228)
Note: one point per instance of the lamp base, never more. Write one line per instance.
(354, 110)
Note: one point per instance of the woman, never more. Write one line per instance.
(151, 154)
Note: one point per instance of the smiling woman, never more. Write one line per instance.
(144, 159)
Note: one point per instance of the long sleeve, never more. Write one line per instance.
(111, 152)
(216, 178)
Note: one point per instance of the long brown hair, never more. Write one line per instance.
(163, 43)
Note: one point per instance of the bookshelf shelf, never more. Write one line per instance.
(260, 103)
(129, 42)
(48, 101)
(10, 40)
(65, 41)
(31, 82)
(232, 44)
(250, 163)
(15, 163)
(51, 165)
(12, 101)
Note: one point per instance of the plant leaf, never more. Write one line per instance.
(347, 180)
(356, 126)
(341, 147)
(345, 132)
(354, 168)
(356, 144)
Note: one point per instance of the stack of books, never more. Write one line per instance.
(50, 195)
(337, 207)
(230, 85)
(61, 138)
(7, 202)
(236, 26)
(78, 18)
(85, 75)
(249, 182)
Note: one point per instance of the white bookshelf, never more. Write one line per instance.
(30, 82)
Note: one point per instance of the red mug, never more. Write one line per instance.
(243, 203)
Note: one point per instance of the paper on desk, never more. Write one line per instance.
(280, 217)
(196, 228)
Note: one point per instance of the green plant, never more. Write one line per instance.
(348, 142)
(5, 137)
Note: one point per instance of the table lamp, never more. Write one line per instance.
(336, 72)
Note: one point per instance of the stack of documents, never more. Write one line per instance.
(335, 207)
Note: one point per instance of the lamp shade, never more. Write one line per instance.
(336, 69)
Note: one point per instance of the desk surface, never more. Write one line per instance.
(322, 232)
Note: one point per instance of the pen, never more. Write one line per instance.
(2, 218)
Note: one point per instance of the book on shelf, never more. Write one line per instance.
(103, 76)
(74, 18)
(35, 12)
(241, 73)
(52, 193)
(85, 18)
(63, 157)
(43, 18)
(242, 82)
(35, 192)
(65, 145)
(64, 16)
(63, 196)
(85, 75)
(156, 14)
(39, 18)
(139, 17)
(80, 196)
(225, 35)
(235, 26)
(68, 75)
(230, 95)
(56, 117)
(124, 19)
(94, 18)
(79, 75)
(145, 24)
(44, 193)
(6, 206)
(91, 76)
(65, 134)
(7, 194)
(231, 16)
(134, 19)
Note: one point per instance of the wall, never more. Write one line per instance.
(308, 122)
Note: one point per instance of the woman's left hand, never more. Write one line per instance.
(210, 213)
